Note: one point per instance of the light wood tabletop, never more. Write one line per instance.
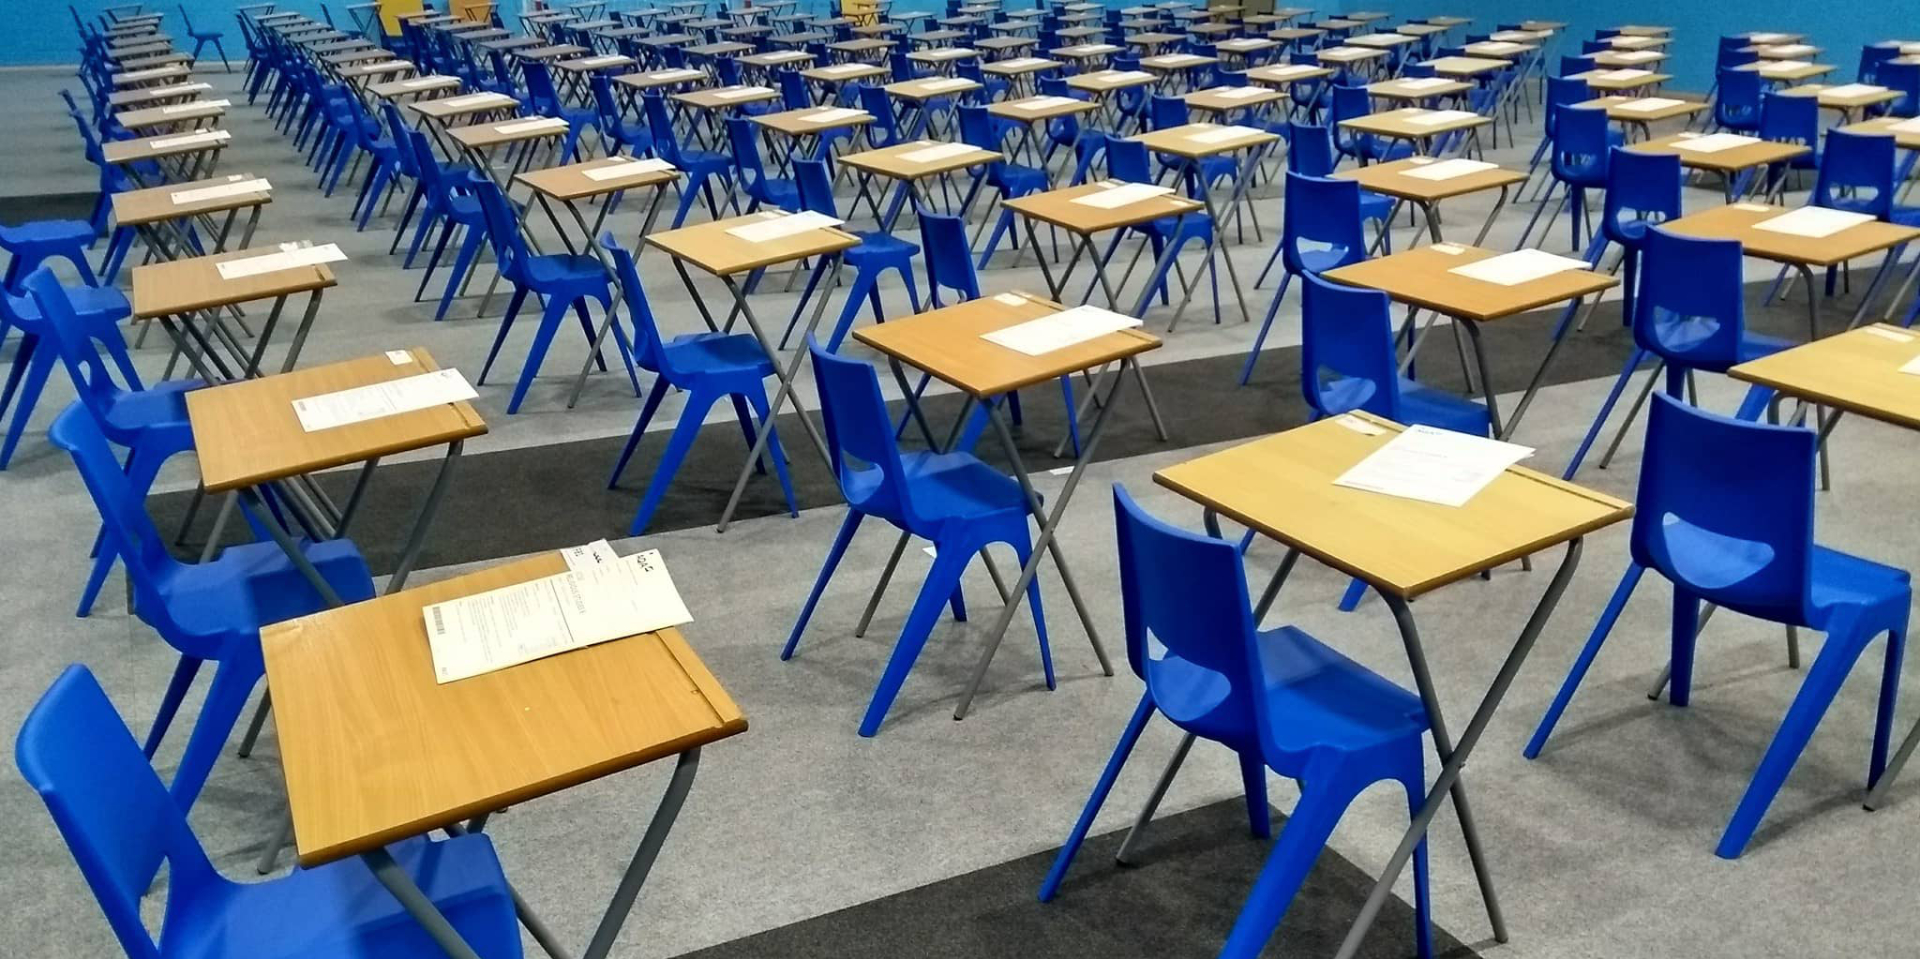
(1904, 130)
(1036, 109)
(157, 204)
(1391, 179)
(654, 79)
(1348, 56)
(947, 344)
(1736, 221)
(447, 108)
(1422, 276)
(1498, 49)
(1787, 69)
(119, 152)
(710, 247)
(483, 136)
(246, 432)
(376, 751)
(927, 88)
(1283, 486)
(1058, 208)
(1279, 75)
(1228, 99)
(552, 51)
(194, 283)
(571, 182)
(1857, 371)
(1642, 30)
(1020, 66)
(811, 121)
(169, 115)
(122, 99)
(724, 48)
(896, 162)
(1294, 33)
(1617, 59)
(1608, 81)
(413, 86)
(1839, 97)
(348, 57)
(1172, 62)
(1107, 81)
(1730, 160)
(1785, 51)
(726, 98)
(843, 72)
(1466, 66)
(1418, 88)
(1190, 140)
(595, 64)
(152, 75)
(377, 68)
(1643, 109)
(1415, 123)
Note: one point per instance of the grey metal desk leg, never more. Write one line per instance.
(1454, 757)
(415, 540)
(643, 857)
(1044, 543)
(1486, 374)
(300, 333)
(1539, 374)
(416, 903)
(266, 334)
(253, 505)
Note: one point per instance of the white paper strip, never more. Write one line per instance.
(665, 76)
(1238, 93)
(1433, 466)
(1520, 266)
(1449, 169)
(377, 400)
(1034, 104)
(420, 83)
(735, 93)
(1023, 62)
(1623, 74)
(603, 61)
(1649, 105)
(202, 106)
(776, 227)
(615, 171)
(1813, 221)
(191, 139)
(1713, 142)
(1124, 194)
(478, 100)
(938, 152)
(1852, 90)
(1057, 331)
(946, 83)
(589, 556)
(1434, 118)
(531, 126)
(1426, 83)
(288, 257)
(1636, 56)
(221, 190)
(1886, 334)
(1782, 66)
(836, 115)
(1226, 134)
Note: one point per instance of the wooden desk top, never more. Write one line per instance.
(1019, 109)
(357, 56)
(592, 64)
(151, 75)
(1499, 49)
(716, 98)
(1907, 139)
(1841, 101)
(844, 72)
(1391, 179)
(774, 58)
(711, 248)
(376, 751)
(552, 51)
(1083, 51)
(1857, 371)
(1622, 108)
(927, 88)
(1784, 51)
(169, 115)
(1056, 207)
(1177, 61)
(1179, 141)
(1735, 221)
(947, 344)
(1401, 123)
(571, 182)
(183, 91)
(1466, 66)
(1421, 276)
(152, 148)
(893, 162)
(1787, 69)
(1401, 90)
(1733, 159)
(1348, 55)
(1643, 30)
(1279, 75)
(654, 79)
(1227, 99)
(155, 204)
(194, 283)
(482, 136)
(246, 432)
(508, 44)
(806, 122)
(1020, 66)
(1245, 45)
(724, 48)
(1154, 39)
(378, 68)
(447, 108)
(1602, 80)
(1107, 81)
(1282, 485)
(413, 86)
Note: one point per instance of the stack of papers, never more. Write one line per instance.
(1433, 118)
(1649, 104)
(1117, 195)
(836, 115)
(1813, 221)
(1852, 90)
(191, 107)
(585, 606)
(1520, 266)
(191, 139)
(1713, 142)
(1223, 134)
(235, 186)
(615, 171)
(1449, 169)
(532, 125)
(1433, 466)
(289, 256)
(376, 400)
(1060, 330)
(1042, 103)
(775, 226)
(938, 151)
(735, 93)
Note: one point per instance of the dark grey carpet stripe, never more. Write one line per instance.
(556, 495)
(46, 206)
(1179, 901)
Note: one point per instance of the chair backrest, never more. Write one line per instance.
(1167, 112)
(1595, 46)
(815, 185)
(109, 805)
(746, 153)
(1872, 56)
(1188, 625)
(1321, 212)
(1347, 359)
(1738, 100)
(660, 124)
(1564, 91)
(793, 89)
(1790, 119)
(859, 429)
(1570, 65)
(1580, 144)
(1310, 149)
(402, 143)
(874, 100)
(503, 226)
(1642, 189)
(976, 128)
(92, 375)
(648, 349)
(540, 91)
(943, 243)
(1856, 173)
(1128, 160)
(727, 69)
(1690, 309)
(1725, 510)
(1905, 79)
(604, 105)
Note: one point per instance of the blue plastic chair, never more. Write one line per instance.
(210, 612)
(884, 131)
(760, 187)
(562, 280)
(877, 253)
(1127, 160)
(1320, 230)
(1561, 92)
(1737, 105)
(30, 244)
(700, 166)
(1351, 102)
(1725, 513)
(203, 37)
(1007, 178)
(121, 826)
(151, 423)
(1279, 698)
(545, 100)
(1642, 189)
(953, 499)
(97, 308)
(707, 367)
(1583, 141)
(619, 135)
(1689, 313)
(452, 206)
(1310, 153)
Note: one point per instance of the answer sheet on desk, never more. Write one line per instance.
(1433, 465)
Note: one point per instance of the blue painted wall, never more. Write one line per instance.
(1842, 27)
(42, 32)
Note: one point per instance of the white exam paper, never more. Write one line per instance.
(937, 152)
(738, 92)
(190, 107)
(418, 82)
(1057, 331)
(1449, 169)
(614, 171)
(1906, 126)
(1238, 93)
(533, 125)
(1520, 266)
(1433, 118)
(1043, 103)
(1813, 221)
(1623, 74)
(589, 556)
(773, 228)
(1783, 66)
(1714, 142)
(683, 74)
(1636, 56)
(517, 624)
(1886, 334)
(1425, 83)
(1222, 134)
(835, 115)
(191, 139)
(289, 256)
(234, 188)
(1649, 104)
(1853, 90)
(1122, 195)
(1433, 466)
(477, 99)
(377, 400)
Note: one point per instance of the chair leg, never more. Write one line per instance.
(469, 250)
(1260, 339)
(684, 432)
(1634, 360)
(39, 365)
(232, 685)
(1356, 591)
(177, 687)
(142, 467)
(1830, 668)
(1582, 662)
(1023, 550)
(1323, 800)
(1883, 719)
(834, 552)
(647, 409)
(550, 320)
(1101, 787)
(948, 564)
(1686, 628)
(1253, 778)
(863, 285)
(506, 323)
(774, 452)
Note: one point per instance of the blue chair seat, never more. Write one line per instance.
(874, 245)
(563, 267)
(45, 232)
(91, 302)
(1419, 404)
(720, 353)
(341, 911)
(1840, 579)
(945, 486)
(255, 583)
(160, 405)
(1019, 180)
(1756, 345)
(1375, 206)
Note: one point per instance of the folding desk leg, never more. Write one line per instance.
(415, 540)
(254, 506)
(1454, 757)
(643, 857)
(392, 876)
